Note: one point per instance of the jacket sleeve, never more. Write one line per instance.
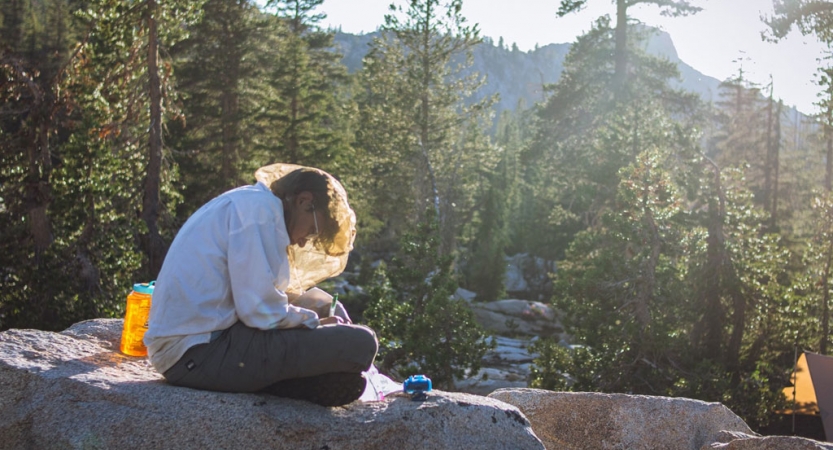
(256, 261)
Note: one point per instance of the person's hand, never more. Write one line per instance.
(332, 320)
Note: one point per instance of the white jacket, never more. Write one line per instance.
(227, 263)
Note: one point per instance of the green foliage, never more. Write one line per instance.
(744, 134)
(220, 78)
(585, 135)
(486, 268)
(310, 113)
(421, 326)
(745, 325)
(86, 266)
(619, 284)
(668, 284)
(809, 16)
(260, 88)
(665, 302)
(553, 368)
(134, 39)
(499, 219)
(814, 282)
(422, 143)
(569, 6)
(670, 8)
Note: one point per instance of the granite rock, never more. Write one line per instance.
(517, 317)
(590, 420)
(74, 390)
(742, 441)
(505, 366)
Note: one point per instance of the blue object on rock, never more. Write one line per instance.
(417, 386)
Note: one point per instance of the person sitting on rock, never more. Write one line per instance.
(230, 311)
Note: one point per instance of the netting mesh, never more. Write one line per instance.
(317, 261)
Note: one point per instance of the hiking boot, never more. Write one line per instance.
(329, 389)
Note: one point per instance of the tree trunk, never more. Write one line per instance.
(825, 299)
(732, 357)
(647, 277)
(89, 276)
(828, 173)
(620, 54)
(292, 144)
(39, 190)
(776, 156)
(424, 118)
(713, 318)
(769, 157)
(35, 131)
(152, 243)
(228, 116)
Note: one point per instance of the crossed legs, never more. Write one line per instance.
(244, 359)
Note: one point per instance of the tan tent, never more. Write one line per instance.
(821, 371)
(812, 389)
(801, 395)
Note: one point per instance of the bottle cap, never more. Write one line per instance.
(144, 288)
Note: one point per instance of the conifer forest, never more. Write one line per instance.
(693, 240)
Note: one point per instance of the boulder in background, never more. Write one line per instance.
(741, 441)
(592, 420)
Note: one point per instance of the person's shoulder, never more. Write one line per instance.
(252, 192)
(235, 197)
(247, 189)
(258, 190)
(256, 196)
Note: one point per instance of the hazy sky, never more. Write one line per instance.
(715, 41)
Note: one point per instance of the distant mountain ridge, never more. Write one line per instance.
(520, 76)
(517, 76)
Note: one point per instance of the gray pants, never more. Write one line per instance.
(244, 359)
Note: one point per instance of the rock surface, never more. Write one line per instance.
(514, 324)
(75, 390)
(741, 441)
(589, 420)
(505, 366)
(528, 275)
(512, 316)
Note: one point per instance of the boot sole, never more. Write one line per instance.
(329, 389)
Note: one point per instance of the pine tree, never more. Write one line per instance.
(423, 143)
(85, 163)
(35, 58)
(619, 286)
(36, 49)
(809, 16)
(620, 54)
(145, 98)
(486, 267)
(310, 113)
(825, 103)
(743, 126)
(819, 263)
(422, 327)
(220, 71)
(670, 301)
(742, 311)
(584, 134)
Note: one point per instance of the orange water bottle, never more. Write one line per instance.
(136, 319)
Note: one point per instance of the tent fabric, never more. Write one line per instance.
(801, 396)
(821, 371)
